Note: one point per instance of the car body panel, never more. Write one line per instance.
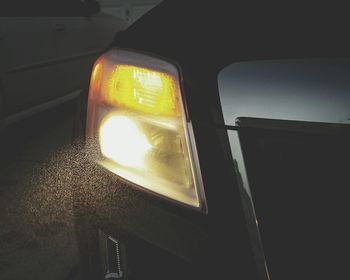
(48, 60)
(28, 74)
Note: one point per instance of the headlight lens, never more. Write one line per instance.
(137, 118)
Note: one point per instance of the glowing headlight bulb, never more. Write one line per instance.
(123, 142)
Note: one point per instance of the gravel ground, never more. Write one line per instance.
(36, 230)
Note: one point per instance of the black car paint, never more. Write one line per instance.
(215, 245)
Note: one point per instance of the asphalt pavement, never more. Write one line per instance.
(36, 230)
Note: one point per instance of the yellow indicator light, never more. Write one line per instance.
(123, 142)
(142, 90)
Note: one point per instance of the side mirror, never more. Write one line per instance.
(90, 7)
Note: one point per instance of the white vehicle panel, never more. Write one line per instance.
(314, 91)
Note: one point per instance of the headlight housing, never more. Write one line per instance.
(137, 118)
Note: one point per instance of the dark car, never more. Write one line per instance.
(221, 136)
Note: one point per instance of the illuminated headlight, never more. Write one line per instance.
(137, 117)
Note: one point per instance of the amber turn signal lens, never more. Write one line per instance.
(142, 90)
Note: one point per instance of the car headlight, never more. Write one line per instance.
(137, 117)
